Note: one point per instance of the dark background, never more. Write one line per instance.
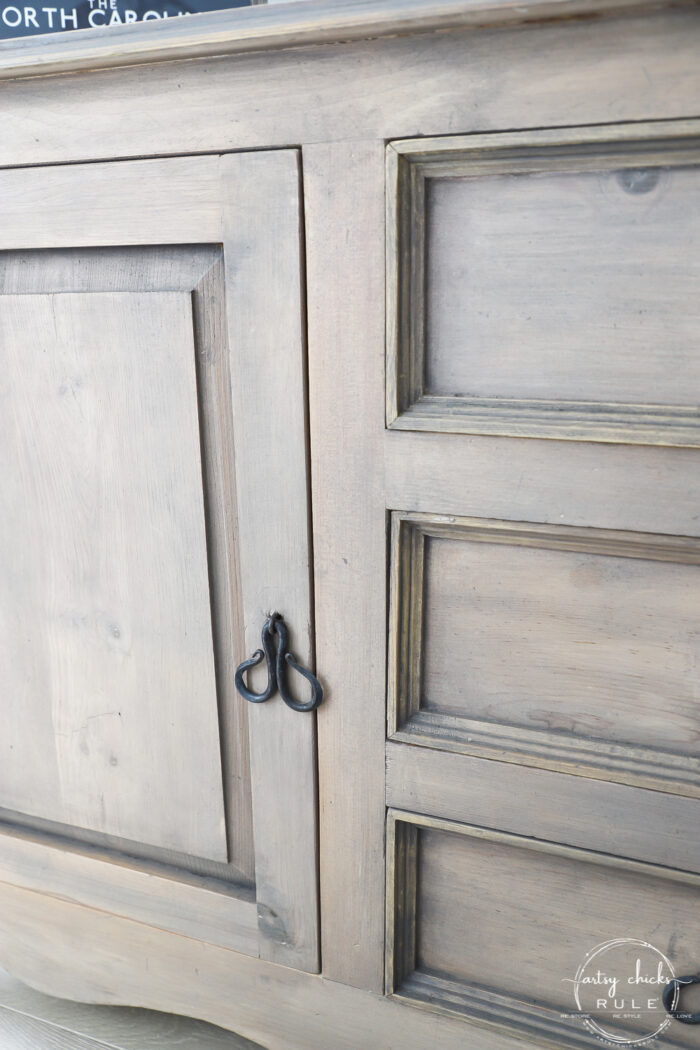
(45, 12)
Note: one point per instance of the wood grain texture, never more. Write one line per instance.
(266, 341)
(67, 950)
(632, 68)
(500, 915)
(32, 1021)
(502, 317)
(594, 814)
(127, 204)
(228, 32)
(197, 271)
(343, 187)
(607, 651)
(108, 628)
(204, 908)
(216, 198)
(555, 482)
(542, 653)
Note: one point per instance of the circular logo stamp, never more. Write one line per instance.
(618, 989)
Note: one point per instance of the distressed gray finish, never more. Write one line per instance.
(104, 553)
(518, 580)
(32, 1021)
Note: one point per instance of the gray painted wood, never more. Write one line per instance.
(95, 957)
(590, 64)
(267, 365)
(606, 315)
(612, 818)
(107, 615)
(32, 1021)
(344, 199)
(223, 200)
(584, 642)
(196, 271)
(226, 32)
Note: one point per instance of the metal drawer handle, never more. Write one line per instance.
(275, 637)
(670, 997)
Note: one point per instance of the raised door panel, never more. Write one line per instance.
(542, 761)
(109, 665)
(145, 387)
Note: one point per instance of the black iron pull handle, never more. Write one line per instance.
(267, 654)
(275, 638)
(671, 995)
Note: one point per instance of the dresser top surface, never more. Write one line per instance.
(263, 28)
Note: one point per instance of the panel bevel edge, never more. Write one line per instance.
(405, 306)
(207, 911)
(656, 769)
(480, 1006)
(401, 900)
(409, 163)
(218, 472)
(405, 622)
(199, 272)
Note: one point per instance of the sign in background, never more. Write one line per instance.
(20, 18)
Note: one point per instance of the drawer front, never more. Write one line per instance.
(543, 283)
(542, 760)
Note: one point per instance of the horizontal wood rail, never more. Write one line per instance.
(263, 28)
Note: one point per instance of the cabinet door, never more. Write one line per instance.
(542, 476)
(154, 513)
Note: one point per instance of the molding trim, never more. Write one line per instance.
(262, 28)
(408, 723)
(211, 911)
(480, 1006)
(84, 954)
(410, 164)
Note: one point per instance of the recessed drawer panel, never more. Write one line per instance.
(547, 645)
(547, 283)
(499, 927)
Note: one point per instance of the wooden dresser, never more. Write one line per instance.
(383, 316)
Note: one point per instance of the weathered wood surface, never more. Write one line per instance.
(127, 204)
(605, 316)
(170, 899)
(533, 285)
(106, 613)
(633, 68)
(224, 200)
(518, 906)
(262, 238)
(231, 32)
(594, 814)
(196, 271)
(594, 642)
(556, 482)
(63, 949)
(32, 1021)
(344, 206)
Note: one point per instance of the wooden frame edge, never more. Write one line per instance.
(262, 28)
(409, 405)
(634, 765)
